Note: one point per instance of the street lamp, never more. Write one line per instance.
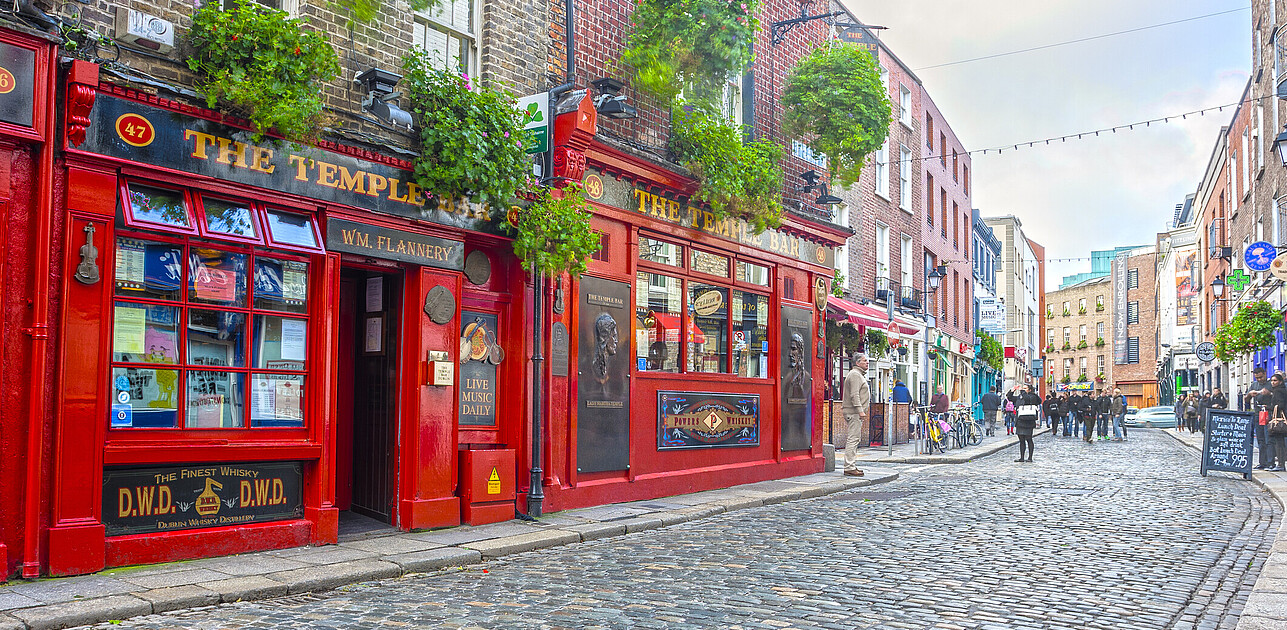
(1280, 143)
(1217, 285)
(935, 278)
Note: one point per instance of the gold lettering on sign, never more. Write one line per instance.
(231, 152)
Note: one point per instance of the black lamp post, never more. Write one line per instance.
(1217, 287)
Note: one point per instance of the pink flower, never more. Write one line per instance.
(484, 134)
(518, 143)
(506, 134)
(464, 76)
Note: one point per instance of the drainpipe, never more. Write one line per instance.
(39, 332)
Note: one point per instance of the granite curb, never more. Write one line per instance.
(121, 593)
(1266, 605)
(963, 456)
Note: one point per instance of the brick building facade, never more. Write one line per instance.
(1078, 334)
(1136, 372)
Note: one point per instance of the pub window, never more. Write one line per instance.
(206, 335)
(750, 334)
(601, 254)
(709, 264)
(708, 341)
(752, 273)
(659, 312)
(661, 252)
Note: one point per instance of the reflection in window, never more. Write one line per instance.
(659, 310)
(230, 218)
(662, 252)
(291, 229)
(752, 273)
(750, 334)
(145, 397)
(160, 206)
(216, 338)
(217, 277)
(708, 343)
(214, 400)
(710, 264)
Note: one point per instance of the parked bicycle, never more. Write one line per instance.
(930, 430)
(965, 430)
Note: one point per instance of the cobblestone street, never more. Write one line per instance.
(1114, 535)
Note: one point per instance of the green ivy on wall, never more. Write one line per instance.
(689, 46)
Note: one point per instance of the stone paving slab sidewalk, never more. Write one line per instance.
(114, 594)
(1267, 604)
(906, 453)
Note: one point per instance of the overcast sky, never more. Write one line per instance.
(1095, 193)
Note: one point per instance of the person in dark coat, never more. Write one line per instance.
(1025, 422)
(991, 403)
(1088, 413)
(1103, 411)
(1065, 412)
(1259, 398)
(1051, 408)
(1279, 396)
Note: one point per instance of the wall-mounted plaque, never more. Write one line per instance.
(478, 267)
(559, 350)
(700, 420)
(166, 498)
(603, 387)
(797, 377)
(440, 305)
(17, 84)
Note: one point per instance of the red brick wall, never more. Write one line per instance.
(949, 238)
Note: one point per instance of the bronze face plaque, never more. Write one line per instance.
(797, 377)
(440, 305)
(603, 369)
(478, 267)
(559, 350)
(820, 293)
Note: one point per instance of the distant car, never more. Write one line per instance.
(1130, 413)
(1154, 417)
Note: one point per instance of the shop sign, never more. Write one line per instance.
(700, 420)
(382, 242)
(144, 134)
(478, 359)
(992, 315)
(17, 84)
(165, 498)
(535, 113)
(614, 192)
(863, 38)
(708, 303)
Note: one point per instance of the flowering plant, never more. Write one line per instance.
(1250, 330)
(470, 140)
(553, 235)
(738, 179)
(689, 46)
(263, 65)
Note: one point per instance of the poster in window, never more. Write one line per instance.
(162, 268)
(128, 329)
(373, 339)
(294, 282)
(797, 377)
(603, 387)
(294, 332)
(131, 260)
(289, 396)
(477, 371)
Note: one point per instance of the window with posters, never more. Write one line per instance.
(209, 327)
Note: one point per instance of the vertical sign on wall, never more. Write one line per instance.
(796, 366)
(1119, 310)
(478, 369)
(17, 84)
(603, 370)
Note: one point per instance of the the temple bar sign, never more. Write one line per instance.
(382, 242)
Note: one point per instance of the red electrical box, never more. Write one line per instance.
(487, 486)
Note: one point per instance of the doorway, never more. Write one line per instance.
(367, 427)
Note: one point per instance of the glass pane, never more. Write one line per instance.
(708, 336)
(157, 205)
(226, 217)
(215, 400)
(216, 338)
(750, 334)
(281, 285)
(277, 400)
(216, 277)
(144, 397)
(148, 270)
(144, 333)
(659, 308)
(280, 342)
(291, 229)
(661, 252)
(754, 274)
(710, 264)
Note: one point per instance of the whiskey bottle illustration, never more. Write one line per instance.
(208, 501)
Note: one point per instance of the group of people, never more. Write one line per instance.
(1191, 408)
(1077, 414)
(1268, 399)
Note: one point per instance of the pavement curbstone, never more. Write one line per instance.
(782, 496)
(640, 524)
(740, 503)
(497, 547)
(9, 623)
(179, 597)
(83, 612)
(245, 588)
(434, 559)
(673, 517)
(595, 531)
(329, 576)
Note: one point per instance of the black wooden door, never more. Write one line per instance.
(374, 296)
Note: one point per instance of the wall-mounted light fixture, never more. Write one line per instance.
(811, 184)
(611, 102)
(379, 96)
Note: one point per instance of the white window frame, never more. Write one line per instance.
(905, 106)
(881, 164)
(421, 19)
(291, 7)
(905, 179)
(732, 99)
(882, 250)
(905, 260)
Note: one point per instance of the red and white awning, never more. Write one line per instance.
(865, 315)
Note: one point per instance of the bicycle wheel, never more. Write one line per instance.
(976, 434)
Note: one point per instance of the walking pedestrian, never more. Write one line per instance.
(1089, 411)
(991, 403)
(1204, 403)
(1277, 428)
(1012, 407)
(1117, 408)
(1259, 398)
(1191, 404)
(1065, 413)
(1051, 409)
(1219, 400)
(855, 402)
(1103, 409)
(1026, 421)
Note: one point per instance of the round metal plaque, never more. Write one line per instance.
(440, 305)
(478, 267)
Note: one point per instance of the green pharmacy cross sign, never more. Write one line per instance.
(1238, 280)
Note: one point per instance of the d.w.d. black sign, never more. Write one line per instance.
(139, 500)
(1228, 441)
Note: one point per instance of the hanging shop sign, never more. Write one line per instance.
(142, 133)
(17, 84)
(611, 191)
(701, 420)
(382, 242)
(1260, 255)
(863, 38)
(159, 499)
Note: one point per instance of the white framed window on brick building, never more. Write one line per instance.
(882, 170)
(905, 261)
(905, 106)
(291, 7)
(732, 99)
(905, 178)
(448, 32)
(882, 251)
(1101, 364)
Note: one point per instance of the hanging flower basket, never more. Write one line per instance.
(689, 46)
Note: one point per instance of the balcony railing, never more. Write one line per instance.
(911, 298)
(885, 287)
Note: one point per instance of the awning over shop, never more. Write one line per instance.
(668, 328)
(864, 315)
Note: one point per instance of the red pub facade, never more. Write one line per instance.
(226, 345)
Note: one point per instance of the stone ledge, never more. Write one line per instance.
(329, 576)
(179, 597)
(497, 547)
(245, 588)
(83, 612)
(595, 531)
(434, 559)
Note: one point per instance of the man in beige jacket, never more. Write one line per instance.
(854, 405)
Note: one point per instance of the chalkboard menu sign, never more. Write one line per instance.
(1228, 441)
